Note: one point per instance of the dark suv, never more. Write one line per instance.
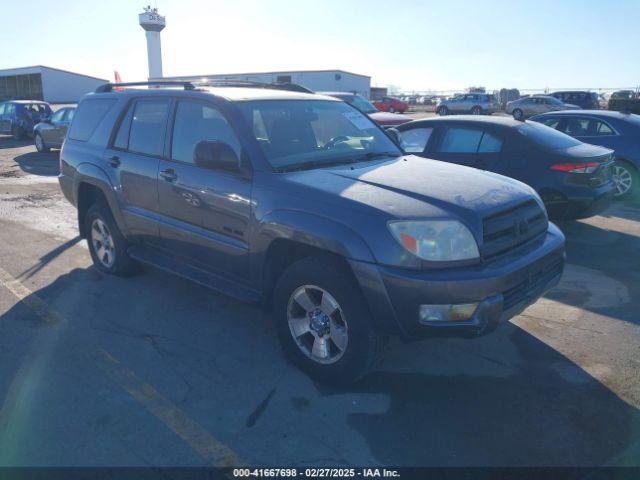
(301, 203)
(583, 99)
(18, 117)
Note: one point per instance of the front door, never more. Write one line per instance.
(49, 130)
(205, 213)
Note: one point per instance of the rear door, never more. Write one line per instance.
(205, 213)
(134, 156)
(472, 146)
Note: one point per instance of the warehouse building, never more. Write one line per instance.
(45, 83)
(316, 80)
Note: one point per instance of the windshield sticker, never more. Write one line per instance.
(358, 120)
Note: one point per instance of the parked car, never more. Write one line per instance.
(392, 105)
(583, 99)
(384, 119)
(626, 101)
(572, 178)
(51, 131)
(301, 203)
(474, 103)
(18, 117)
(536, 104)
(617, 131)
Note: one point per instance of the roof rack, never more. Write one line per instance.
(293, 87)
(108, 87)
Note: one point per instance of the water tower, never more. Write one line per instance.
(153, 23)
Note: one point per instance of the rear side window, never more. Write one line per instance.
(550, 122)
(148, 126)
(196, 122)
(490, 143)
(90, 113)
(415, 140)
(460, 140)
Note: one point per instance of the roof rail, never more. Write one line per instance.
(294, 87)
(108, 87)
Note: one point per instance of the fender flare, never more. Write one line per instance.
(95, 176)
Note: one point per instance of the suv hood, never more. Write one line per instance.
(415, 187)
(385, 118)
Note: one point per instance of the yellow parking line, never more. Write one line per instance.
(213, 451)
(30, 299)
(216, 453)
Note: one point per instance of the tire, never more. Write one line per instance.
(442, 111)
(321, 284)
(625, 178)
(392, 110)
(100, 226)
(476, 110)
(518, 114)
(40, 145)
(18, 132)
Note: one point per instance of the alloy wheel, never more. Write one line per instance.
(317, 324)
(623, 179)
(39, 143)
(103, 244)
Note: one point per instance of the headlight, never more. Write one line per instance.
(436, 240)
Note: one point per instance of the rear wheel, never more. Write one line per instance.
(476, 110)
(518, 114)
(323, 322)
(107, 245)
(392, 110)
(625, 179)
(40, 145)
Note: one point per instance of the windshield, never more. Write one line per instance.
(555, 101)
(361, 104)
(295, 133)
(546, 137)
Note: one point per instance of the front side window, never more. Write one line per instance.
(415, 140)
(293, 133)
(551, 122)
(460, 140)
(147, 126)
(71, 112)
(601, 128)
(578, 127)
(196, 122)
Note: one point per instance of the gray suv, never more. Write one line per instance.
(474, 103)
(300, 203)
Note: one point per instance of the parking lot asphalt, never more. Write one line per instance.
(155, 370)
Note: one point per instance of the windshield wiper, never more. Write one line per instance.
(332, 163)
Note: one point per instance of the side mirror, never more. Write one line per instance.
(216, 156)
(394, 135)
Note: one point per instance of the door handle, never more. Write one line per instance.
(169, 174)
(114, 161)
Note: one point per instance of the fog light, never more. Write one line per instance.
(447, 313)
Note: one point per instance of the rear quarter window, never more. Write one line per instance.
(88, 116)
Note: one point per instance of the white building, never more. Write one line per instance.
(45, 83)
(316, 80)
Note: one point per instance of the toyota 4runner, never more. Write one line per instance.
(300, 203)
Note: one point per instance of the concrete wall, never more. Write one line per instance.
(331, 80)
(65, 87)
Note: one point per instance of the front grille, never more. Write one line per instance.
(532, 287)
(506, 230)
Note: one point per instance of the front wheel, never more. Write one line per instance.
(40, 145)
(518, 114)
(323, 321)
(625, 179)
(476, 110)
(442, 111)
(107, 246)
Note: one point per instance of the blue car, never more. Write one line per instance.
(572, 178)
(18, 117)
(615, 130)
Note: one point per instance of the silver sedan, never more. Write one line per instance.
(536, 104)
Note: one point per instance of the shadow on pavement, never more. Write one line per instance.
(7, 141)
(36, 163)
(529, 407)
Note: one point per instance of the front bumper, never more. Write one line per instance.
(503, 288)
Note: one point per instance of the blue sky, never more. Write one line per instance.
(411, 44)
